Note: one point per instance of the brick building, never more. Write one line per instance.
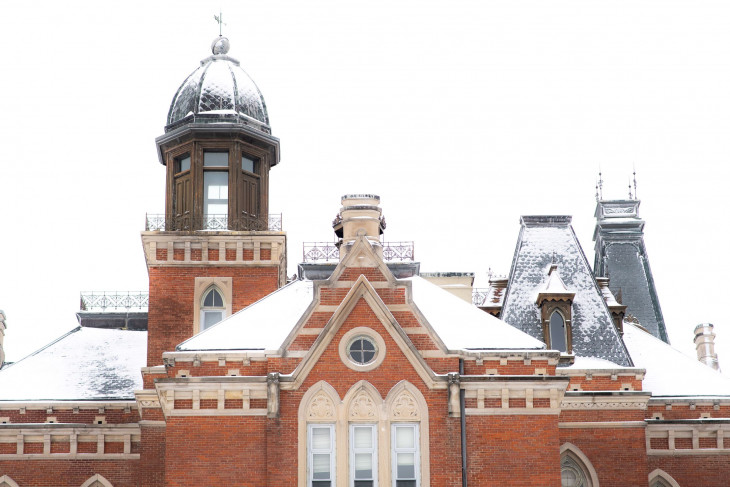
(359, 371)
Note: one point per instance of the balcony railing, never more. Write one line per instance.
(213, 222)
(328, 251)
(114, 301)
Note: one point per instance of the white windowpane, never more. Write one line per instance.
(321, 438)
(406, 465)
(215, 192)
(215, 159)
(363, 465)
(321, 466)
(404, 437)
(363, 437)
(210, 318)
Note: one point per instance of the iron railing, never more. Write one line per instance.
(328, 251)
(214, 222)
(478, 295)
(114, 301)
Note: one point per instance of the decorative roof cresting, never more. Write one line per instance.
(219, 91)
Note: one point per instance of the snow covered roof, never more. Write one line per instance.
(264, 325)
(84, 364)
(542, 239)
(463, 326)
(669, 372)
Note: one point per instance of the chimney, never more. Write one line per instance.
(705, 343)
(618, 310)
(492, 303)
(360, 215)
(3, 326)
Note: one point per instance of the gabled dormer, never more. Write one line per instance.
(555, 302)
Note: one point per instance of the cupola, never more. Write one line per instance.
(218, 149)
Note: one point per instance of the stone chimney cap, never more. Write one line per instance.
(360, 196)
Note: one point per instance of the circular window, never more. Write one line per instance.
(362, 350)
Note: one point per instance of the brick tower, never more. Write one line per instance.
(216, 250)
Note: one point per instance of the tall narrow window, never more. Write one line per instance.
(321, 455)
(405, 455)
(212, 309)
(215, 190)
(363, 455)
(571, 473)
(557, 332)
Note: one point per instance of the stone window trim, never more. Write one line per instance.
(363, 404)
(5, 480)
(331, 451)
(575, 453)
(660, 477)
(97, 481)
(352, 335)
(202, 285)
(372, 451)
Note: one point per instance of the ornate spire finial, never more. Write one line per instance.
(636, 194)
(631, 196)
(600, 183)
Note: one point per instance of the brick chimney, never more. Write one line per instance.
(360, 215)
(705, 343)
(3, 326)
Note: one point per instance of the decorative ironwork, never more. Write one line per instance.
(478, 295)
(115, 301)
(397, 250)
(320, 251)
(188, 223)
(327, 251)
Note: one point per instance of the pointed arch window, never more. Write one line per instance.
(558, 335)
(575, 468)
(212, 309)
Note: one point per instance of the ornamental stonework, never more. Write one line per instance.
(363, 407)
(405, 407)
(321, 407)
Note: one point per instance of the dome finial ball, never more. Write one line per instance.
(220, 45)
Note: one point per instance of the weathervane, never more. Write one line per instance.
(219, 18)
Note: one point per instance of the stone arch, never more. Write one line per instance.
(570, 452)
(405, 403)
(363, 403)
(660, 475)
(97, 481)
(321, 403)
(7, 481)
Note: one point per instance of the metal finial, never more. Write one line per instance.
(600, 183)
(631, 196)
(636, 194)
(597, 191)
(219, 18)
(553, 261)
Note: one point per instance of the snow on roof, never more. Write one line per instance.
(542, 240)
(669, 372)
(461, 325)
(84, 364)
(264, 325)
(587, 363)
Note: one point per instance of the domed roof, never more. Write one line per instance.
(218, 91)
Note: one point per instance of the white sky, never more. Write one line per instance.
(461, 115)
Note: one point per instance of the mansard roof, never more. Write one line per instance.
(84, 364)
(545, 240)
(670, 372)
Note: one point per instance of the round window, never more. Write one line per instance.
(362, 350)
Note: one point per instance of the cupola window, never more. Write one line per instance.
(213, 308)
(215, 190)
(247, 164)
(182, 164)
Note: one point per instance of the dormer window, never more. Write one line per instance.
(213, 308)
(558, 339)
(555, 302)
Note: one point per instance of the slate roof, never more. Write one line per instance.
(84, 364)
(543, 239)
(621, 256)
(264, 325)
(669, 372)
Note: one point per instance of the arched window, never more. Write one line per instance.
(6, 481)
(575, 468)
(659, 478)
(212, 308)
(558, 339)
(97, 481)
